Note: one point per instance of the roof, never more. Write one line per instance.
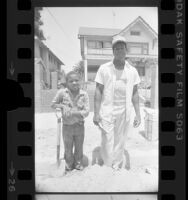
(98, 31)
(112, 32)
(45, 46)
(139, 19)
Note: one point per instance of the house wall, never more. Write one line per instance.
(148, 72)
(37, 87)
(145, 37)
(37, 51)
(44, 101)
(50, 61)
(97, 58)
(54, 65)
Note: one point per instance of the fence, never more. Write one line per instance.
(44, 100)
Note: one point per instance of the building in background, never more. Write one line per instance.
(48, 76)
(142, 43)
(48, 67)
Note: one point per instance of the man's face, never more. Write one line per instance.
(119, 51)
(73, 83)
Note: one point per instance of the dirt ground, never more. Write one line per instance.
(97, 197)
(141, 177)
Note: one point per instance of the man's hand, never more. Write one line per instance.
(137, 121)
(96, 119)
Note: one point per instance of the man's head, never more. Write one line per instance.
(73, 81)
(119, 47)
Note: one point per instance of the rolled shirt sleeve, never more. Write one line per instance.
(136, 77)
(100, 76)
(58, 97)
(85, 111)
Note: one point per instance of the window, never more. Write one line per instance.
(107, 45)
(145, 49)
(99, 47)
(94, 44)
(91, 44)
(137, 33)
(137, 48)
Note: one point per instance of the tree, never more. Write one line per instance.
(38, 23)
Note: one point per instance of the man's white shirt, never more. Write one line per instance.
(106, 75)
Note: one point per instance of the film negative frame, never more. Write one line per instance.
(20, 79)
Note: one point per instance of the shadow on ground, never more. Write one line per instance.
(97, 158)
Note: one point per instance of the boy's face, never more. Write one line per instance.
(73, 83)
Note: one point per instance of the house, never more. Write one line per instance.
(48, 75)
(142, 43)
(47, 66)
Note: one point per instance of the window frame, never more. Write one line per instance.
(131, 33)
(140, 45)
(96, 46)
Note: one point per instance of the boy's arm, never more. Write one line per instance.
(85, 112)
(56, 101)
(56, 105)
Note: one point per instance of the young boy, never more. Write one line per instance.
(74, 104)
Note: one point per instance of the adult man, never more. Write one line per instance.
(116, 88)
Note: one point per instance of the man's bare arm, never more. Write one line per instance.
(97, 102)
(98, 97)
(135, 101)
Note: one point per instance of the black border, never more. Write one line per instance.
(21, 110)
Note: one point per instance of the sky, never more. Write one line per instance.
(61, 26)
(97, 197)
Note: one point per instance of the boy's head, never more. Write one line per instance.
(73, 81)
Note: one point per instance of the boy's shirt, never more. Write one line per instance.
(79, 103)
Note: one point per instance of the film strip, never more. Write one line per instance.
(20, 115)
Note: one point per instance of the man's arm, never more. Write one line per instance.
(135, 101)
(97, 102)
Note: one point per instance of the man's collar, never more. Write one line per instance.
(127, 65)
